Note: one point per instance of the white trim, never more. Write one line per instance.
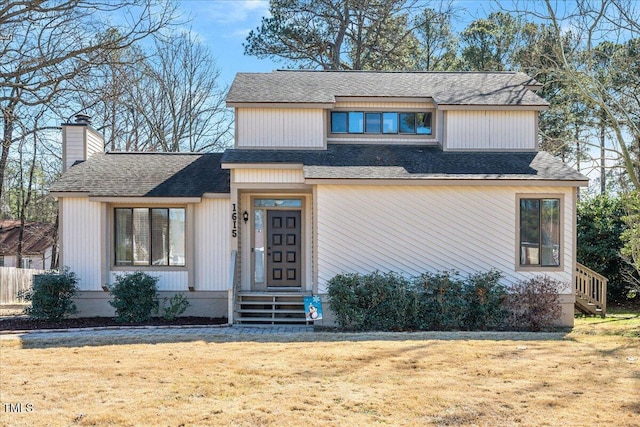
(69, 194)
(146, 200)
(216, 195)
(501, 107)
(310, 105)
(450, 181)
(384, 139)
(261, 165)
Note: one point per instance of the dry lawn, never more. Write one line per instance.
(590, 376)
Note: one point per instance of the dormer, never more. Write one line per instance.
(455, 111)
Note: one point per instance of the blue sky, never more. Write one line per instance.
(223, 25)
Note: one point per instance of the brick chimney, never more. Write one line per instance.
(79, 141)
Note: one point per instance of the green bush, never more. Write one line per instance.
(52, 296)
(438, 301)
(375, 301)
(484, 299)
(173, 307)
(134, 296)
(602, 234)
(534, 304)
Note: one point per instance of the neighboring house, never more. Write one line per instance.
(37, 244)
(331, 172)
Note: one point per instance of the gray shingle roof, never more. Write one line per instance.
(146, 174)
(445, 88)
(412, 162)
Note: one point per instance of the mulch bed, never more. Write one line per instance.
(22, 323)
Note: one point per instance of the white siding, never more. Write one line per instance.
(73, 145)
(95, 143)
(167, 280)
(213, 244)
(280, 127)
(81, 240)
(491, 130)
(294, 176)
(412, 230)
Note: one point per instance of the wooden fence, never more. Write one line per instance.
(12, 281)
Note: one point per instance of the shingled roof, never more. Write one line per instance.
(146, 175)
(37, 237)
(445, 88)
(352, 161)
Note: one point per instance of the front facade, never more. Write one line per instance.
(331, 172)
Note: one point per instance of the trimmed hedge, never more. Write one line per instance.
(440, 301)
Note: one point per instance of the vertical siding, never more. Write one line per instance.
(73, 145)
(496, 130)
(213, 244)
(81, 240)
(268, 175)
(416, 229)
(280, 127)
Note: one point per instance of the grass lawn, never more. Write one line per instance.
(589, 376)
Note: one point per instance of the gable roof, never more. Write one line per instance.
(37, 237)
(352, 161)
(445, 88)
(146, 175)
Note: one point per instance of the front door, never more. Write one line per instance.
(283, 249)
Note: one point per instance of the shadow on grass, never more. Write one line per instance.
(240, 334)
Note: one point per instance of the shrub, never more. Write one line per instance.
(173, 307)
(484, 298)
(534, 304)
(439, 301)
(375, 301)
(134, 296)
(52, 296)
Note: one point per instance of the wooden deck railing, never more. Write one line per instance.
(591, 288)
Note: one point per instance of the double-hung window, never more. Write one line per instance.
(540, 233)
(149, 236)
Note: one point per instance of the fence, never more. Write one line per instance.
(12, 281)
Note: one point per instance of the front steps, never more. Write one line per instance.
(270, 308)
(585, 306)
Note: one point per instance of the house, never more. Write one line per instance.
(37, 244)
(330, 172)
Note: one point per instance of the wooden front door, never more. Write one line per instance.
(283, 249)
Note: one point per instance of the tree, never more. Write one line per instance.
(45, 45)
(600, 228)
(178, 99)
(337, 34)
(615, 21)
(437, 45)
(491, 44)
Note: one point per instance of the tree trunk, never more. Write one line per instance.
(603, 171)
(7, 119)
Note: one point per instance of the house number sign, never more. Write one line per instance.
(234, 219)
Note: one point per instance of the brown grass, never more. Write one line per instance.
(590, 376)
